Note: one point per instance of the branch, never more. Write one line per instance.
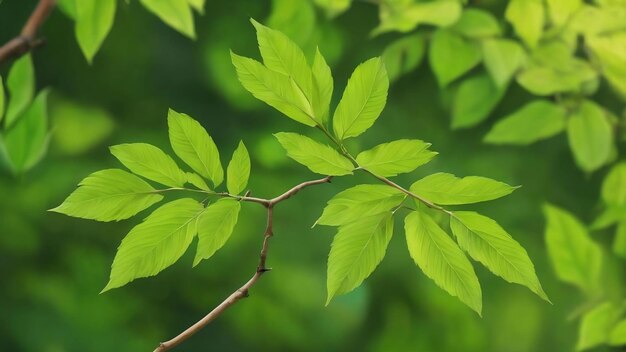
(243, 291)
(27, 40)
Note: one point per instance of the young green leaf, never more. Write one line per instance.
(150, 162)
(238, 171)
(503, 58)
(575, 257)
(94, 20)
(274, 89)
(447, 189)
(614, 186)
(404, 16)
(404, 55)
(333, 8)
(397, 157)
(197, 181)
(21, 88)
(215, 226)
(475, 99)
(527, 18)
(175, 13)
(156, 243)
(485, 241)
(617, 336)
(359, 201)
(610, 51)
(451, 56)
(319, 158)
(194, 146)
(356, 251)
(478, 24)
(596, 325)
(26, 142)
(322, 87)
(108, 195)
(537, 120)
(590, 136)
(441, 259)
(560, 11)
(363, 99)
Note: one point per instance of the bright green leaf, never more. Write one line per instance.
(619, 242)
(475, 99)
(537, 120)
(617, 336)
(175, 13)
(156, 243)
(485, 241)
(197, 181)
(363, 99)
(592, 20)
(610, 50)
(94, 20)
(451, 56)
(614, 186)
(503, 57)
(560, 11)
(404, 16)
(359, 201)
(215, 226)
(21, 88)
(238, 171)
(404, 55)
(333, 8)
(198, 5)
(590, 136)
(527, 18)
(442, 260)
(397, 157)
(150, 162)
(194, 146)
(356, 251)
(596, 325)
(107, 195)
(476, 23)
(322, 87)
(575, 257)
(319, 158)
(447, 189)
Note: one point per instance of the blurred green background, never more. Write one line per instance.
(53, 266)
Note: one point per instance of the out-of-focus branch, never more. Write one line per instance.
(243, 291)
(27, 40)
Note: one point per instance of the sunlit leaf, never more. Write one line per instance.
(397, 157)
(451, 56)
(197, 181)
(441, 259)
(596, 325)
(107, 195)
(447, 189)
(614, 186)
(590, 136)
(175, 13)
(610, 50)
(592, 20)
(238, 171)
(150, 162)
(318, 157)
(333, 7)
(359, 201)
(503, 58)
(215, 226)
(475, 99)
(194, 146)
(404, 16)
(485, 241)
(560, 11)
(475, 23)
(363, 99)
(21, 88)
(356, 251)
(617, 336)
(156, 243)
(404, 55)
(527, 18)
(94, 20)
(322, 87)
(537, 120)
(198, 5)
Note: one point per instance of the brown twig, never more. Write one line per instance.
(243, 291)
(27, 40)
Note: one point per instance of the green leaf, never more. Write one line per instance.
(596, 325)
(447, 189)
(2, 99)
(475, 99)
(238, 171)
(537, 120)
(404, 55)
(451, 56)
(274, 89)
(619, 242)
(323, 87)
(590, 136)
(333, 8)
(319, 158)
(441, 259)
(197, 181)
(198, 5)
(363, 99)
(194, 146)
(21, 88)
(404, 16)
(527, 18)
(26, 142)
(503, 58)
(94, 20)
(561, 11)
(610, 51)
(108, 195)
(485, 241)
(156, 243)
(150, 162)
(397, 157)
(215, 226)
(575, 257)
(617, 336)
(356, 251)
(175, 13)
(478, 24)
(591, 20)
(359, 201)
(614, 186)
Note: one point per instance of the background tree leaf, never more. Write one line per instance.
(590, 136)
(475, 99)
(238, 171)
(503, 58)
(21, 89)
(319, 158)
(175, 13)
(451, 56)
(596, 325)
(94, 20)
(397, 157)
(215, 226)
(404, 55)
(527, 18)
(475, 23)
(447, 189)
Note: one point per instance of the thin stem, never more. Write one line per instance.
(27, 40)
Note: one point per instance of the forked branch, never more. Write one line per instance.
(243, 291)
